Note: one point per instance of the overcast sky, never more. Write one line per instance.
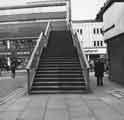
(81, 9)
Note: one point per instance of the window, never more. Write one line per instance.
(101, 30)
(101, 43)
(97, 31)
(97, 43)
(77, 30)
(81, 31)
(94, 43)
(94, 31)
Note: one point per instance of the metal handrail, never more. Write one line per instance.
(35, 56)
(47, 32)
(34, 51)
(83, 60)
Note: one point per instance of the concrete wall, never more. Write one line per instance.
(114, 15)
(116, 58)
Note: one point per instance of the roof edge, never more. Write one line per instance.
(84, 21)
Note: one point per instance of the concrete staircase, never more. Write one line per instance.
(59, 69)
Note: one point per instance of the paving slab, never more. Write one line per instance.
(32, 115)
(9, 115)
(56, 115)
(97, 105)
(102, 111)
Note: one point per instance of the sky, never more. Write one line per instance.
(81, 9)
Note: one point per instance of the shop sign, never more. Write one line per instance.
(23, 53)
(18, 53)
(95, 51)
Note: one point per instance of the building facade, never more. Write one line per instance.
(91, 37)
(22, 24)
(114, 37)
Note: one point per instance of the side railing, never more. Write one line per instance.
(83, 60)
(47, 32)
(35, 56)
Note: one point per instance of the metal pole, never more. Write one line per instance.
(28, 81)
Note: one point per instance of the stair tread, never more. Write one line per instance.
(58, 91)
(59, 82)
(60, 86)
(58, 78)
(59, 68)
(59, 65)
(60, 73)
(65, 71)
(61, 62)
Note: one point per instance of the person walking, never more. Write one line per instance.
(13, 66)
(99, 71)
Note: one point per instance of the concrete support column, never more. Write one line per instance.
(69, 10)
(8, 47)
(8, 44)
(67, 13)
(88, 57)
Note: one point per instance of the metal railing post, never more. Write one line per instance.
(28, 82)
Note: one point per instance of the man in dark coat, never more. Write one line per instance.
(99, 71)
(14, 62)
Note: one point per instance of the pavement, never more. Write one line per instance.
(102, 103)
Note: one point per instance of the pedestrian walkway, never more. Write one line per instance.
(100, 104)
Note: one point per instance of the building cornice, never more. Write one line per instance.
(107, 4)
(84, 21)
(38, 4)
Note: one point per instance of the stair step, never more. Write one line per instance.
(71, 82)
(65, 58)
(58, 84)
(59, 72)
(54, 88)
(53, 57)
(59, 62)
(59, 68)
(59, 65)
(59, 91)
(59, 78)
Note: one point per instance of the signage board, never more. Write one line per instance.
(95, 50)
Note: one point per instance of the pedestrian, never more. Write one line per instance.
(13, 66)
(1, 66)
(91, 63)
(99, 71)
